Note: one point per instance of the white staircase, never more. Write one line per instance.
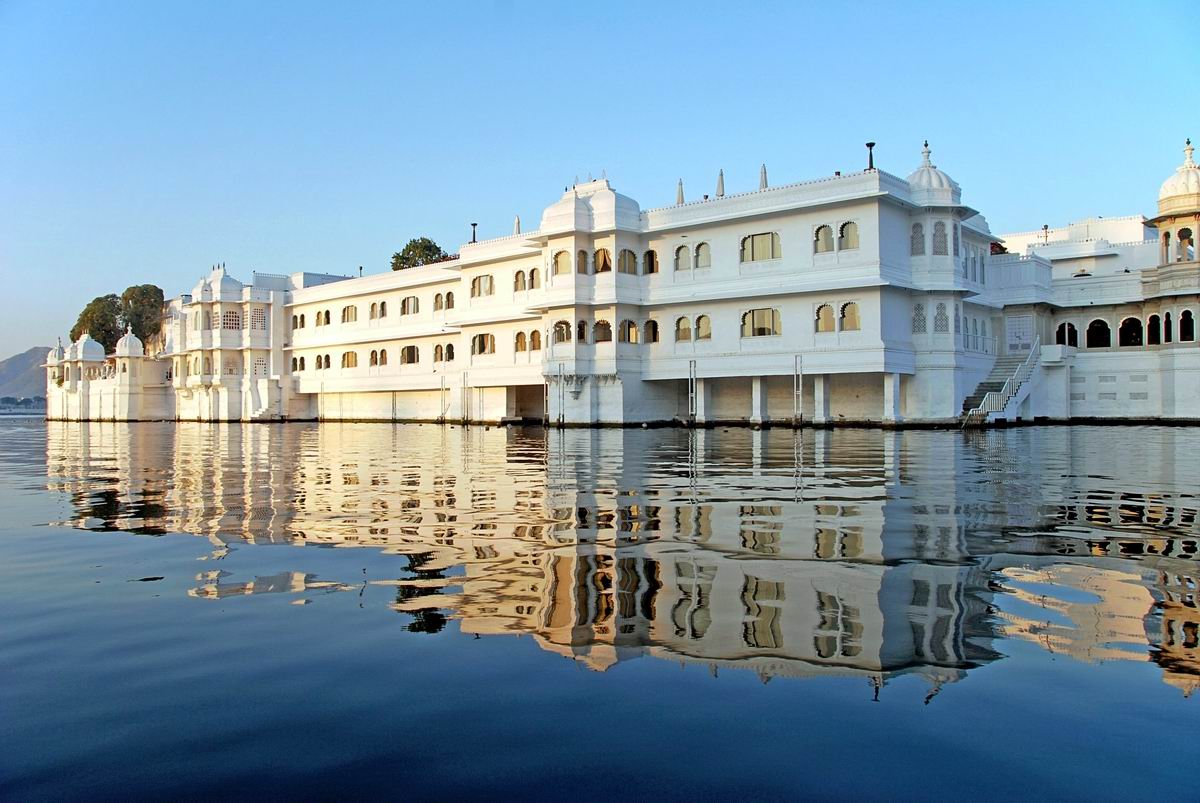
(997, 401)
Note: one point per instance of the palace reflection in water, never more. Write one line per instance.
(845, 552)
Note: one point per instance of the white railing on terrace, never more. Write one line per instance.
(996, 400)
(980, 344)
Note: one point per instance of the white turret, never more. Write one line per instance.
(1181, 191)
(932, 187)
(130, 345)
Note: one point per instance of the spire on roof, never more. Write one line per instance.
(721, 183)
(1187, 153)
(762, 177)
(517, 224)
(925, 155)
(679, 193)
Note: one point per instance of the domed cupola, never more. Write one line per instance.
(130, 345)
(88, 349)
(1181, 192)
(56, 354)
(932, 187)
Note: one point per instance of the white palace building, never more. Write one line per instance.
(856, 298)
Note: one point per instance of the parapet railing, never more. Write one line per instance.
(996, 400)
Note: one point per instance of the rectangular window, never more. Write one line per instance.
(758, 247)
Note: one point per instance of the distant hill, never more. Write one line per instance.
(22, 375)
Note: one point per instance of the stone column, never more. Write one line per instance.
(891, 397)
(758, 400)
(820, 398)
(703, 400)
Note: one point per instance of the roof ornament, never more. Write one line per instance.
(679, 193)
(721, 183)
(517, 224)
(1187, 153)
(925, 155)
(762, 177)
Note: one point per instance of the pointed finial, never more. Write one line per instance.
(517, 224)
(604, 173)
(762, 176)
(925, 155)
(590, 176)
(721, 183)
(1187, 153)
(128, 328)
(679, 193)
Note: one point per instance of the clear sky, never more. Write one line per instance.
(145, 141)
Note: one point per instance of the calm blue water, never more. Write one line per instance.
(422, 612)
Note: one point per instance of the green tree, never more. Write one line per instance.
(101, 318)
(421, 251)
(142, 309)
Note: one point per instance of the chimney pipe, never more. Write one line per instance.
(473, 225)
(870, 155)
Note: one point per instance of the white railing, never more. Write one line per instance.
(996, 400)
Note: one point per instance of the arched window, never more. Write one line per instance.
(1187, 327)
(848, 236)
(601, 332)
(520, 342)
(231, 319)
(535, 340)
(1065, 335)
(449, 352)
(822, 240)
(295, 365)
(651, 331)
(920, 324)
(941, 321)
(1167, 327)
(438, 353)
(483, 344)
(382, 309)
(627, 262)
(939, 239)
(1185, 247)
(302, 320)
(602, 261)
(373, 313)
(703, 328)
(562, 263)
(562, 332)
(301, 363)
(1153, 331)
(349, 314)
(449, 301)
(410, 305)
(411, 355)
(327, 322)
(849, 315)
(581, 262)
(683, 329)
(481, 286)
(327, 363)
(761, 323)
(824, 319)
(383, 356)
(208, 320)
(703, 255)
(519, 282)
(320, 318)
(917, 240)
(350, 359)
(759, 247)
(438, 302)
(1098, 335)
(650, 262)
(627, 332)
(295, 322)
(1130, 332)
(581, 332)
(535, 278)
(374, 358)
(683, 258)
(957, 249)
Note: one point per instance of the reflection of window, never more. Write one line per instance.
(839, 631)
(762, 601)
(691, 615)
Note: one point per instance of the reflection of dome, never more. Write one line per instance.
(1182, 190)
(130, 345)
(88, 349)
(930, 185)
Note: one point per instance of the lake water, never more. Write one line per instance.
(420, 612)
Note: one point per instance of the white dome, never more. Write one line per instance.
(593, 206)
(88, 349)
(130, 345)
(930, 185)
(56, 354)
(1185, 182)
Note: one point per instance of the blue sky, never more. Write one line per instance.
(145, 141)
